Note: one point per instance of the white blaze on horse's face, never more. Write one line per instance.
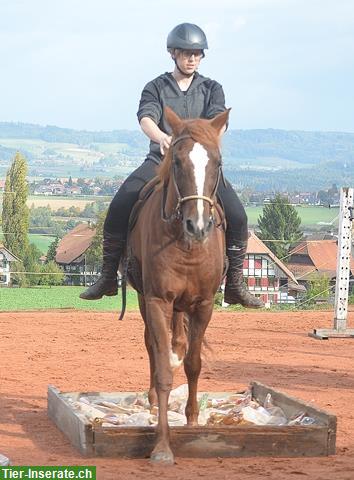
(200, 159)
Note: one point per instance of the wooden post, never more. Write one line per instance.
(340, 329)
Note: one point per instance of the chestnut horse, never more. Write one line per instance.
(177, 246)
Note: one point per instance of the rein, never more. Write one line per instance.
(177, 213)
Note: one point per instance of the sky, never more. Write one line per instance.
(82, 64)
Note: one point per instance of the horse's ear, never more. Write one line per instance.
(173, 119)
(220, 120)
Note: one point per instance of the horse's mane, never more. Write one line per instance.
(200, 131)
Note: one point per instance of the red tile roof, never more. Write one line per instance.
(302, 272)
(256, 246)
(323, 255)
(74, 244)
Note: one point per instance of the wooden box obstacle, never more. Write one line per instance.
(202, 441)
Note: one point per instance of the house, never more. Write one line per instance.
(49, 187)
(311, 258)
(2, 185)
(6, 257)
(73, 190)
(71, 256)
(268, 277)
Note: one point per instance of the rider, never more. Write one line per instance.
(190, 95)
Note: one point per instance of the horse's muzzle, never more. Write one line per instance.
(195, 231)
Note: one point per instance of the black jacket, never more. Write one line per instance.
(204, 99)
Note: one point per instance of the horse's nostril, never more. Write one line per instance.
(209, 225)
(190, 226)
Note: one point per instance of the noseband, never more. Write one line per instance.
(177, 214)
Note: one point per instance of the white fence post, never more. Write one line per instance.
(343, 271)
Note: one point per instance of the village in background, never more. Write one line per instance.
(292, 267)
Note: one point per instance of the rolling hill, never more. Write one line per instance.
(267, 159)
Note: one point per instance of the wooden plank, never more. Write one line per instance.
(292, 405)
(249, 442)
(75, 426)
(289, 404)
(207, 442)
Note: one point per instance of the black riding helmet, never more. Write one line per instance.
(187, 36)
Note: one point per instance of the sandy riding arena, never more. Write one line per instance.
(93, 351)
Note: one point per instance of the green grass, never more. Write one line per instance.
(42, 242)
(46, 298)
(37, 147)
(310, 216)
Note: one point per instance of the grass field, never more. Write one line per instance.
(41, 241)
(56, 202)
(69, 152)
(46, 298)
(310, 216)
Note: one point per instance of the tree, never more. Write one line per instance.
(323, 197)
(52, 274)
(15, 213)
(52, 250)
(32, 265)
(19, 276)
(94, 253)
(318, 289)
(280, 221)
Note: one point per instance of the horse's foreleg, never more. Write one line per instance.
(179, 340)
(152, 395)
(192, 363)
(159, 315)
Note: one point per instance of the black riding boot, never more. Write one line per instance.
(235, 290)
(113, 247)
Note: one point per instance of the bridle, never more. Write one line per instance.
(177, 213)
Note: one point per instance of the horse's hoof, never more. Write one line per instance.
(193, 424)
(162, 458)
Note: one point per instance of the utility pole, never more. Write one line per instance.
(340, 329)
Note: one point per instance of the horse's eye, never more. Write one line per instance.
(177, 162)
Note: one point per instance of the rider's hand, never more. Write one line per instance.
(165, 142)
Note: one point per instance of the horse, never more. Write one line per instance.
(176, 253)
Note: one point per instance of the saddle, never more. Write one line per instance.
(144, 194)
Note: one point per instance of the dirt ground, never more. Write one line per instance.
(93, 351)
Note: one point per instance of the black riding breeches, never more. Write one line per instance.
(119, 210)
